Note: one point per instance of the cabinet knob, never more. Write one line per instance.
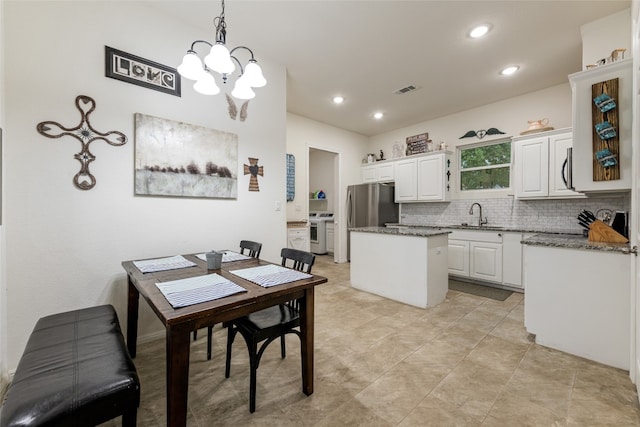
(499, 234)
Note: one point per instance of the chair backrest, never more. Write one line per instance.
(302, 261)
(254, 248)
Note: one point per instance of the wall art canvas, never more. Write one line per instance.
(184, 160)
(133, 69)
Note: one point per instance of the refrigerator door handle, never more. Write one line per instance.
(349, 209)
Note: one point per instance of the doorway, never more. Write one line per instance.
(324, 194)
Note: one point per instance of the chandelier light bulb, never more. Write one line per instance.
(242, 90)
(206, 85)
(191, 67)
(253, 74)
(219, 59)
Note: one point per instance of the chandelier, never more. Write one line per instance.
(221, 60)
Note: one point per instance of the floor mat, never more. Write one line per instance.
(479, 290)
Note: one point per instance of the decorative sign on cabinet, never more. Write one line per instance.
(541, 165)
(584, 148)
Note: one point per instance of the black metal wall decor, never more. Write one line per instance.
(86, 134)
(255, 170)
(482, 133)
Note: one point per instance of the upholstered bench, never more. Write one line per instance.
(75, 371)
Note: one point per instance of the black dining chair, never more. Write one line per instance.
(269, 324)
(253, 250)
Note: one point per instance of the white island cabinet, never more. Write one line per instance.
(577, 300)
(409, 266)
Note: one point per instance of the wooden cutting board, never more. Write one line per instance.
(601, 232)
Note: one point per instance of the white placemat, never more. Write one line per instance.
(163, 264)
(227, 256)
(195, 290)
(270, 275)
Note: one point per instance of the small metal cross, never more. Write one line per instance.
(86, 135)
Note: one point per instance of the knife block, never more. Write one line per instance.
(601, 232)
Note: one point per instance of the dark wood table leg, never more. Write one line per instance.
(178, 342)
(132, 318)
(306, 332)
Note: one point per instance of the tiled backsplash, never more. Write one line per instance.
(551, 215)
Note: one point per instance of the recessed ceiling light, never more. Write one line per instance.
(378, 115)
(338, 100)
(509, 70)
(479, 31)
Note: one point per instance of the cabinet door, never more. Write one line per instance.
(558, 145)
(485, 261)
(458, 257)
(330, 233)
(532, 167)
(297, 239)
(406, 188)
(430, 178)
(512, 259)
(369, 173)
(385, 172)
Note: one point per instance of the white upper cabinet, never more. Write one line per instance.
(378, 172)
(406, 180)
(424, 178)
(541, 165)
(584, 160)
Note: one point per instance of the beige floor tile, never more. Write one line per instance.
(466, 362)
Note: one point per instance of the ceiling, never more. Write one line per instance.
(366, 50)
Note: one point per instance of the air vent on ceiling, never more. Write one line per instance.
(406, 89)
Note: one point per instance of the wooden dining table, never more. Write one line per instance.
(180, 322)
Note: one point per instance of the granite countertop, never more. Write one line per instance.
(551, 238)
(483, 228)
(574, 241)
(404, 231)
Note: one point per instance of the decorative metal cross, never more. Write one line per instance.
(255, 170)
(86, 135)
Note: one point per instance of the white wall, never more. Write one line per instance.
(3, 287)
(303, 133)
(322, 177)
(601, 37)
(63, 246)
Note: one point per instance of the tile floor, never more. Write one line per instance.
(466, 362)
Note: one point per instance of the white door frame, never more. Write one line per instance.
(634, 217)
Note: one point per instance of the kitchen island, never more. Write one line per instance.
(577, 296)
(408, 265)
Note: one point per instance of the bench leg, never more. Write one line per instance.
(129, 418)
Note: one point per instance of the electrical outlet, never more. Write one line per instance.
(278, 206)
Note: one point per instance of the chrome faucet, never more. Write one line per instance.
(481, 221)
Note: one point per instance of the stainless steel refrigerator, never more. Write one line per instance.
(369, 205)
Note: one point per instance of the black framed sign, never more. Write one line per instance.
(129, 68)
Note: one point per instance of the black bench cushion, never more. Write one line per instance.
(75, 370)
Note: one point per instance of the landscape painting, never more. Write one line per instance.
(183, 160)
